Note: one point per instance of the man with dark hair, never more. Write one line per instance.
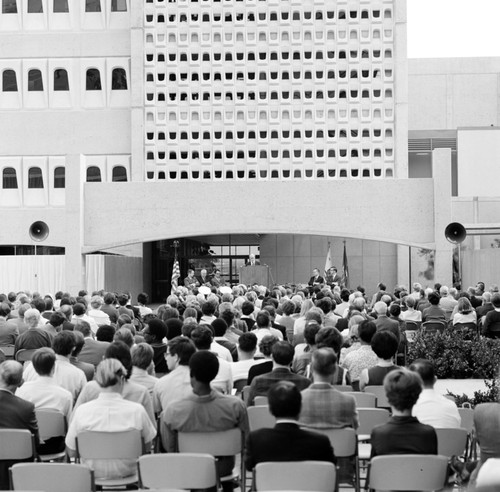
(247, 316)
(282, 356)
(433, 408)
(322, 405)
(286, 441)
(93, 350)
(433, 312)
(8, 330)
(86, 367)
(80, 313)
(364, 357)
(301, 361)
(177, 383)
(220, 327)
(208, 309)
(15, 412)
(205, 410)
(67, 311)
(154, 333)
(109, 307)
(202, 337)
(265, 364)
(263, 327)
(65, 374)
(385, 346)
(54, 326)
(247, 346)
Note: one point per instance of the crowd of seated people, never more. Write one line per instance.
(92, 355)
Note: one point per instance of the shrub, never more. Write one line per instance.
(491, 394)
(457, 354)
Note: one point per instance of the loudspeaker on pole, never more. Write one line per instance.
(455, 233)
(39, 231)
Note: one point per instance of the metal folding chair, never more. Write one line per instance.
(51, 423)
(259, 417)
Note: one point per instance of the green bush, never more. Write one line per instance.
(457, 354)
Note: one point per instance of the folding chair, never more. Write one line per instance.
(344, 388)
(413, 325)
(217, 444)
(451, 442)
(368, 419)
(177, 471)
(365, 400)
(259, 417)
(467, 417)
(126, 445)
(408, 472)
(345, 445)
(239, 384)
(52, 477)
(433, 327)
(244, 393)
(260, 400)
(317, 476)
(51, 423)
(24, 355)
(17, 444)
(8, 351)
(379, 393)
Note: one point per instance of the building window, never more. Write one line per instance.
(35, 7)
(92, 5)
(35, 82)
(61, 80)
(60, 6)
(118, 5)
(119, 80)
(119, 174)
(9, 7)
(93, 174)
(60, 177)
(9, 81)
(93, 80)
(35, 178)
(9, 179)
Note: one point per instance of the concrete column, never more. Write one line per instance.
(441, 172)
(74, 232)
(403, 267)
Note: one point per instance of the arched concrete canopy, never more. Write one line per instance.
(397, 211)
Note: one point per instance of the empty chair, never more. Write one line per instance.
(259, 417)
(317, 476)
(126, 445)
(177, 471)
(8, 351)
(17, 444)
(451, 441)
(51, 424)
(365, 400)
(52, 477)
(408, 472)
(379, 393)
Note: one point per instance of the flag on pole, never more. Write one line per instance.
(345, 268)
(176, 273)
(328, 262)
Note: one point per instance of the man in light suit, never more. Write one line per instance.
(286, 441)
(15, 413)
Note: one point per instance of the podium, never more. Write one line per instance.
(256, 274)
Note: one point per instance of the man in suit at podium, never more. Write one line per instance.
(252, 261)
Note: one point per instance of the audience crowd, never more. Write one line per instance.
(195, 364)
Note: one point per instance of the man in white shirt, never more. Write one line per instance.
(65, 374)
(247, 346)
(79, 313)
(431, 407)
(175, 385)
(263, 323)
(99, 316)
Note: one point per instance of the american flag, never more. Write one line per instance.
(176, 273)
(345, 268)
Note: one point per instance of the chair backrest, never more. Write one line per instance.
(259, 417)
(467, 416)
(244, 393)
(433, 326)
(16, 444)
(317, 476)
(371, 417)
(408, 472)
(365, 400)
(24, 355)
(413, 325)
(451, 441)
(177, 471)
(51, 423)
(260, 400)
(239, 384)
(8, 351)
(344, 441)
(52, 477)
(379, 392)
(222, 443)
(109, 445)
(464, 326)
(344, 388)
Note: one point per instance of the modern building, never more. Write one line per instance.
(234, 127)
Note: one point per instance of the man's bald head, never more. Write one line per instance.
(11, 374)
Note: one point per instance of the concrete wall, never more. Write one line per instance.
(447, 93)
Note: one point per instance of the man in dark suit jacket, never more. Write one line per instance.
(316, 279)
(286, 441)
(15, 413)
(252, 261)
